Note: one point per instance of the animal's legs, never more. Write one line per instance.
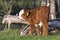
(9, 26)
(45, 28)
(45, 25)
(38, 30)
(31, 29)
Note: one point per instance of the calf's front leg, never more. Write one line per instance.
(31, 29)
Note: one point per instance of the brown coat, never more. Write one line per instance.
(35, 16)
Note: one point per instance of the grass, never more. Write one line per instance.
(13, 35)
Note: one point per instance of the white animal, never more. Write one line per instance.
(11, 19)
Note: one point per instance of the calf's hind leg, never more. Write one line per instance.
(38, 30)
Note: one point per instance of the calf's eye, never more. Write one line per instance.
(27, 14)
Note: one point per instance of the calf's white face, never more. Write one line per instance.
(20, 13)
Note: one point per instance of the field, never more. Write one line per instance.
(13, 35)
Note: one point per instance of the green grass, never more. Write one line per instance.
(13, 35)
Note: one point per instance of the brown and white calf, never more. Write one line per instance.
(35, 17)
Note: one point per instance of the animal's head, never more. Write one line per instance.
(24, 14)
(20, 13)
(4, 21)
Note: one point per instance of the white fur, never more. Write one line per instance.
(36, 25)
(40, 24)
(11, 19)
(20, 13)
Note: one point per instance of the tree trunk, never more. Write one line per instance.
(52, 10)
(34, 3)
(6, 6)
(58, 5)
(48, 2)
(43, 2)
(10, 8)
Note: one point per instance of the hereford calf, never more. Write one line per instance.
(35, 17)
